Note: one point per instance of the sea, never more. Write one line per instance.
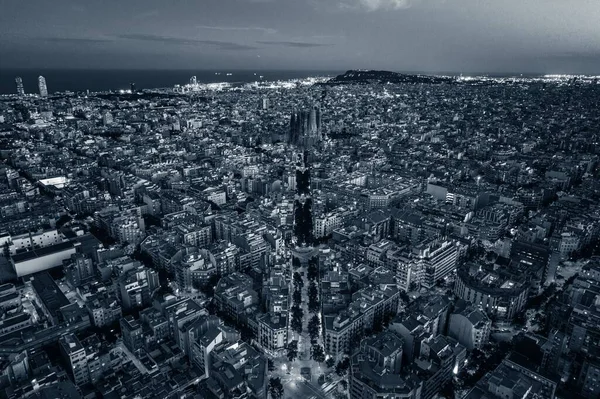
(94, 80)
(61, 80)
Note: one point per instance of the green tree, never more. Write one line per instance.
(330, 362)
(342, 367)
(296, 262)
(297, 297)
(317, 353)
(313, 297)
(298, 281)
(312, 272)
(297, 315)
(276, 388)
(313, 327)
(292, 350)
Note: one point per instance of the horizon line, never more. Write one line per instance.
(339, 71)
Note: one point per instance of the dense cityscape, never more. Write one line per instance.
(368, 236)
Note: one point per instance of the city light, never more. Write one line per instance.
(268, 233)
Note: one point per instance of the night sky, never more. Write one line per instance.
(543, 36)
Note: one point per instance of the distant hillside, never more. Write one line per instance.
(363, 77)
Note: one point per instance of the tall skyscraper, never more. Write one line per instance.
(42, 86)
(20, 89)
(132, 87)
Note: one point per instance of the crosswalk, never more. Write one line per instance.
(319, 394)
(329, 387)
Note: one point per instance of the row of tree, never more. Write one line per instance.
(297, 315)
(313, 298)
(317, 352)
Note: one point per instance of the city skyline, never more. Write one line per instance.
(300, 199)
(361, 236)
(400, 35)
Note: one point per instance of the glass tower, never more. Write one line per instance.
(20, 89)
(42, 86)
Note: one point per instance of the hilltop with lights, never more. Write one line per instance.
(369, 76)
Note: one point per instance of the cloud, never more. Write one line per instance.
(328, 37)
(73, 40)
(238, 28)
(145, 15)
(374, 5)
(221, 45)
(575, 54)
(294, 44)
(79, 8)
